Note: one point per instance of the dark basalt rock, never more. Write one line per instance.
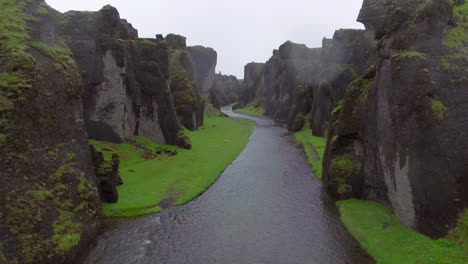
(252, 86)
(298, 80)
(49, 204)
(126, 79)
(176, 41)
(225, 90)
(402, 127)
(204, 60)
(188, 101)
(108, 175)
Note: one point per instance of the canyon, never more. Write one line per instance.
(390, 101)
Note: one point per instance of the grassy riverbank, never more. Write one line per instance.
(251, 110)
(314, 148)
(388, 241)
(175, 179)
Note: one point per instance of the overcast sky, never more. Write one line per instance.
(241, 31)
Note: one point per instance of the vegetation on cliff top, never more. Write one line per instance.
(175, 180)
(14, 53)
(388, 241)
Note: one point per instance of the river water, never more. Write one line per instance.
(266, 208)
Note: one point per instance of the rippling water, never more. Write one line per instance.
(266, 208)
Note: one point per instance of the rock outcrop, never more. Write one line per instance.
(49, 204)
(252, 86)
(400, 134)
(126, 79)
(299, 82)
(188, 100)
(107, 174)
(391, 100)
(225, 90)
(205, 60)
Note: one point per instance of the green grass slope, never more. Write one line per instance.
(251, 110)
(314, 148)
(175, 179)
(388, 241)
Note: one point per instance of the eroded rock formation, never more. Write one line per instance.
(205, 60)
(126, 79)
(225, 90)
(391, 100)
(400, 136)
(252, 86)
(188, 100)
(49, 203)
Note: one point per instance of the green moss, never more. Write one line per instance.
(180, 178)
(142, 44)
(457, 38)
(61, 55)
(410, 55)
(388, 241)
(14, 53)
(342, 168)
(105, 168)
(439, 109)
(42, 194)
(338, 108)
(67, 233)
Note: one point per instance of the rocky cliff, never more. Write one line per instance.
(391, 100)
(225, 90)
(252, 86)
(65, 79)
(49, 202)
(400, 134)
(126, 79)
(299, 84)
(205, 60)
(188, 100)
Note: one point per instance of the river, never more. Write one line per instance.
(266, 208)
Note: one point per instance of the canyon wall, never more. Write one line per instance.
(204, 60)
(65, 79)
(225, 90)
(252, 86)
(187, 95)
(392, 102)
(126, 79)
(49, 202)
(400, 134)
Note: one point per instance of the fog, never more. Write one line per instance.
(241, 31)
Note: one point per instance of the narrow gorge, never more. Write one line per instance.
(122, 149)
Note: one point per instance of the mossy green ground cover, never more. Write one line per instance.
(314, 148)
(388, 241)
(180, 178)
(251, 110)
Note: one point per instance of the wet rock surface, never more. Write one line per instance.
(400, 135)
(267, 207)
